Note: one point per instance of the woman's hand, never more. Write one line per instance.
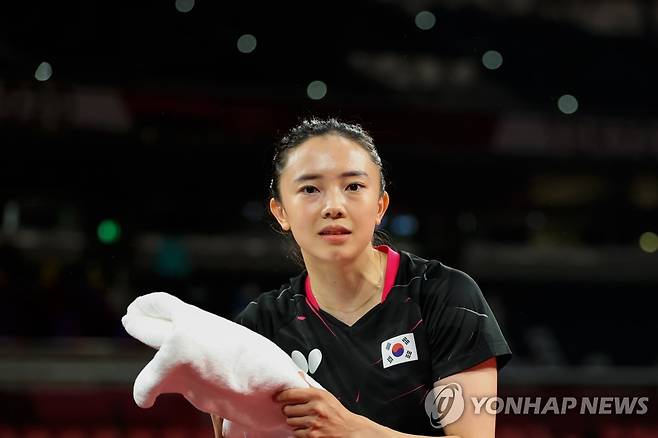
(313, 412)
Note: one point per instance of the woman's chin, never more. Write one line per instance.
(343, 252)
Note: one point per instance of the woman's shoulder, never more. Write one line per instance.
(287, 291)
(435, 277)
(274, 308)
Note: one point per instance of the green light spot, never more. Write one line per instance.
(109, 231)
(649, 242)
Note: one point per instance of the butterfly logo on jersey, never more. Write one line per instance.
(308, 366)
(399, 349)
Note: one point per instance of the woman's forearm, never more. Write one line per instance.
(375, 430)
(217, 423)
(370, 430)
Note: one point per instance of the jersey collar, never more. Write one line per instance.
(392, 264)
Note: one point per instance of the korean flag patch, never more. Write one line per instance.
(399, 349)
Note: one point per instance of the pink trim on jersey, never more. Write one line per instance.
(310, 298)
(392, 265)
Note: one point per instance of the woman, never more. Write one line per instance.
(394, 338)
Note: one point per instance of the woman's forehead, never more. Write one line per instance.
(327, 154)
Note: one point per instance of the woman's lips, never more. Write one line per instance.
(335, 238)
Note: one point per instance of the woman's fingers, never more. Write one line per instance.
(305, 422)
(299, 410)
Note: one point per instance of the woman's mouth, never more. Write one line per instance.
(335, 237)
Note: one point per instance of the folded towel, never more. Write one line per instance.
(219, 366)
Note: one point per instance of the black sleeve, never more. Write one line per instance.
(259, 316)
(462, 330)
(248, 317)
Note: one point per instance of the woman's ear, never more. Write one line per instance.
(382, 206)
(279, 213)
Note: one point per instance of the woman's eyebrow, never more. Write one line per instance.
(311, 176)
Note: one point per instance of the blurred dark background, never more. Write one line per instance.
(520, 139)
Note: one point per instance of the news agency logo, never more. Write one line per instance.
(445, 404)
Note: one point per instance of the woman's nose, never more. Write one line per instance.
(333, 206)
(332, 212)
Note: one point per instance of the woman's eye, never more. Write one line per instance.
(354, 186)
(308, 189)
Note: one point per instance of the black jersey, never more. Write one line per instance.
(432, 322)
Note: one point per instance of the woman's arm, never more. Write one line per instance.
(478, 381)
(217, 423)
(316, 412)
(311, 410)
(375, 430)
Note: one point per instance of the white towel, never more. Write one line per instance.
(219, 366)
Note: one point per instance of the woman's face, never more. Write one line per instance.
(330, 181)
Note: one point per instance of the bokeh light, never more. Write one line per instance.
(316, 90)
(425, 20)
(44, 72)
(109, 231)
(404, 225)
(649, 242)
(247, 43)
(492, 60)
(568, 104)
(184, 5)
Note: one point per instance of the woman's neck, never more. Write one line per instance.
(349, 288)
